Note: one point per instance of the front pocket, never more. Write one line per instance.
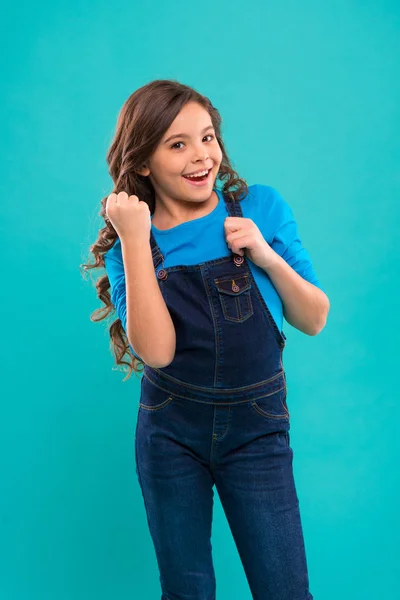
(272, 406)
(153, 399)
(234, 294)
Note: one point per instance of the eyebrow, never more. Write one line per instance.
(184, 135)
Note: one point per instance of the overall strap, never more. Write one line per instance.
(233, 207)
(155, 251)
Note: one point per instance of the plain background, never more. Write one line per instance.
(309, 96)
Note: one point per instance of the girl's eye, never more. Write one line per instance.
(176, 143)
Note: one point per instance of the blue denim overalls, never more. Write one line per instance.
(218, 415)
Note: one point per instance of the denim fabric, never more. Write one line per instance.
(218, 415)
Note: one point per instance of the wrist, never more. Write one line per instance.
(272, 260)
(130, 242)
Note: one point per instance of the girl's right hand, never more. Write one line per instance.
(129, 216)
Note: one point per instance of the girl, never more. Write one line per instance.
(200, 280)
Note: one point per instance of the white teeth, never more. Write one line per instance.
(198, 174)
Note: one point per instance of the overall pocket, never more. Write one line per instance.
(151, 405)
(272, 406)
(235, 298)
(152, 398)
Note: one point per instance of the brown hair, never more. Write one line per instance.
(143, 120)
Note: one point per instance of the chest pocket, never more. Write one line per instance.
(235, 298)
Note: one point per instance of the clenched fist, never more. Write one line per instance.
(129, 216)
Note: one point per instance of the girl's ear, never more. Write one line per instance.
(143, 170)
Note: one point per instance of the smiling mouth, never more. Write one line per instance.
(195, 178)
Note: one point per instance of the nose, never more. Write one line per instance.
(200, 153)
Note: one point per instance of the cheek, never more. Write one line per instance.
(175, 164)
(170, 166)
(217, 154)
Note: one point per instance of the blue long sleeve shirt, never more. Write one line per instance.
(203, 239)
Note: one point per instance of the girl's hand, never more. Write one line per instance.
(129, 216)
(244, 238)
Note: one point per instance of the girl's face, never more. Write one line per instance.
(188, 146)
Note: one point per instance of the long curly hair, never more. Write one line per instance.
(141, 124)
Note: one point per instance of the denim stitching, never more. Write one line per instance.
(270, 317)
(270, 415)
(221, 437)
(246, 287)
(215, 391)
(157, 406)
(219, 403)
(286, 415)
(225, 299)
(216, 327)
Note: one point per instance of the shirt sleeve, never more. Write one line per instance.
(287, 243)
(115, 271)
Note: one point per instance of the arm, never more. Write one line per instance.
(305, 306)
(149, 326)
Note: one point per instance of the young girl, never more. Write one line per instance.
(200, 279)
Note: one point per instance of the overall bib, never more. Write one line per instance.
(218, 415)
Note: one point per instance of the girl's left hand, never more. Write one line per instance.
(244, 238)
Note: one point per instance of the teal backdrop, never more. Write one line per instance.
(309, 96)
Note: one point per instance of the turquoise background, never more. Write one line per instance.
(309, 96)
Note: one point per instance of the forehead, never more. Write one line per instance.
(192, 117)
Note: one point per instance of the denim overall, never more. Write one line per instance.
(218, 415)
